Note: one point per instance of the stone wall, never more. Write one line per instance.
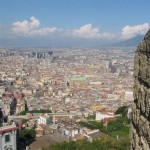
(140, 121)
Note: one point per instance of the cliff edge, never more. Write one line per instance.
(140, 120)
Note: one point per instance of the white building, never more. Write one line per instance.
(8, 137)
(72, 132)
(101, 115)
(43, 119)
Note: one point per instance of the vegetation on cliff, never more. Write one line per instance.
(105, 143)
(117, 135)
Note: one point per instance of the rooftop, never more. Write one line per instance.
(8, 128)
(80, 78)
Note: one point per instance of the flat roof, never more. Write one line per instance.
(8, 128)
(80, 78)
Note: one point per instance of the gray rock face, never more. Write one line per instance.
(140, 120)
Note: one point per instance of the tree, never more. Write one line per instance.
(26, 133)
(105, 143)
(35, 111)
(122, 110)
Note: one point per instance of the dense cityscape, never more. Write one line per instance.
(66, 78)
(70, 85)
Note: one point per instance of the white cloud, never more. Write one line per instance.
(32, 28)
(87, 31)
(25, 26)
(131, 31)
(34, 22)
(44, 31)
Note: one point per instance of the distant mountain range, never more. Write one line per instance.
(43, 42)
(133, 42)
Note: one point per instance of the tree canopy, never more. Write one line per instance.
(35, 111)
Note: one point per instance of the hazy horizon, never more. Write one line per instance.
(65, 23)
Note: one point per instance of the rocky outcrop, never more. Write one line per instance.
(140, 121)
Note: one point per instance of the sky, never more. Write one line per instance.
(62, 23)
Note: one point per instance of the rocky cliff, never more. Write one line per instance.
(140, 121)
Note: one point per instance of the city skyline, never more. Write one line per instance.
(71, 23)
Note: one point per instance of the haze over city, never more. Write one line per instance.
(62, 23)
